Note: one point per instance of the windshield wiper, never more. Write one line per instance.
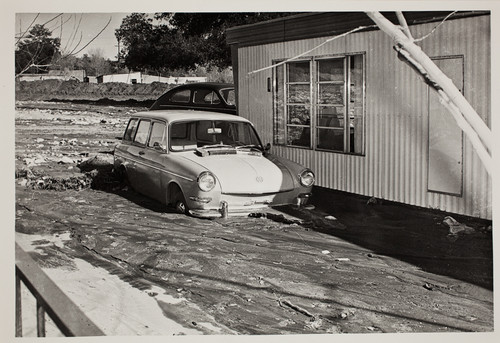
(249, 146)
(217, 146)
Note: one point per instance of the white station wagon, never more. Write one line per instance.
(206, 164)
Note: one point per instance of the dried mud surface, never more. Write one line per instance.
(286, 272)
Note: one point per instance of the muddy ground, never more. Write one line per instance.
(344, 265)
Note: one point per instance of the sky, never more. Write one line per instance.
(76, 30)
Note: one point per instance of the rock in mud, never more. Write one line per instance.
(101, 161)
(65, 160)
(455, 227)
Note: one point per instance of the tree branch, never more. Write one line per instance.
(104, 28)
(29, 26)
(316, 47)
(442, 83)
(469, 131)
(404, 25)
(435, 28)
(54, 18)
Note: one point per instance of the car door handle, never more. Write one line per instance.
(141, 152)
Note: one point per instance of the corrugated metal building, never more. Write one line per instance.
(363, 119)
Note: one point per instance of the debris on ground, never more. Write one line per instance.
(286, 303)
(66, 160)
(96, 172)
(56, 183)
(373, 201)
(455, 227)
(100, 161)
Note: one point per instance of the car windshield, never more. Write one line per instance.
(190, 135)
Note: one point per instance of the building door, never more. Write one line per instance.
(445, 137)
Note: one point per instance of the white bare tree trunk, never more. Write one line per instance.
(467, 118)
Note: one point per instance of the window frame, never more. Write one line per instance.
(147, 135)
(133, 130)
(314, 104)
(308, 105)
(164, 137)
(214, 97)
(179, 91)
(194, 135)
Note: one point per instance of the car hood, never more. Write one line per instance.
(244, 173)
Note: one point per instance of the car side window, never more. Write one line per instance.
(157, 134)
(131, 129)
(142, 132)
(213, 98)
(206, 97)
(229, 96)
(181, 96)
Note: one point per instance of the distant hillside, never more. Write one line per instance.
(73, 90)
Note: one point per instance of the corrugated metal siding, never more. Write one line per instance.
(470, 38)
(320, 24)
(395, 163)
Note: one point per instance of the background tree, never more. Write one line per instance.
(136, 36)
(35, 52)
(93, 63)
(210, 31)
(96, 63)
(169, 41)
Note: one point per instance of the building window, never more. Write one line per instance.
(312, 100)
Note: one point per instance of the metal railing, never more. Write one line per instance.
(68, 318)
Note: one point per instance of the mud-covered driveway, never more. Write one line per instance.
(286, 272)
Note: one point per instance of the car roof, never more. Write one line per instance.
(176, 115)
(212, 85)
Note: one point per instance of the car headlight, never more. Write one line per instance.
(306, 178)
(206, 181)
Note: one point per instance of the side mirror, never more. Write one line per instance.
(267, 147)
(159, 146)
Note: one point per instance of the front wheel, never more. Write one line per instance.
(179, 202)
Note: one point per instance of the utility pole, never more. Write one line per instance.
(118, 54)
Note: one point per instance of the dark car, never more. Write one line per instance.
(205, 96)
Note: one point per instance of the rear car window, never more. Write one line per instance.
(229, 96)
(181, 96)
(205, 97)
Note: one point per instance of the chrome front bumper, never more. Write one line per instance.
(225, 210)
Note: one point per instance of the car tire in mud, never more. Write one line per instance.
(122, 177)
(178, 201)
